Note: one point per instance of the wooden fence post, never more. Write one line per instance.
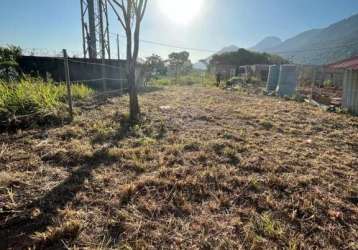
(68, 83)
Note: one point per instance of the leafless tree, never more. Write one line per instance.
(130, 14)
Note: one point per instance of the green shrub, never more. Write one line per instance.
(80, 91)
(9, 67)
(163, 81)
(328, 83)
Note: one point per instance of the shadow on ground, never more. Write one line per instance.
(16, 231)
(102, 98)
(149, 89)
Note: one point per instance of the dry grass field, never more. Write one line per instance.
(205, 169)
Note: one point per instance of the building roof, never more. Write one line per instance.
(351, 63)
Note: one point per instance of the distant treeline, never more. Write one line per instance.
(246, 57)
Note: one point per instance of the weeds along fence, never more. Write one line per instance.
(107, 77)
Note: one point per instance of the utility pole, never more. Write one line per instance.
(102, 42)
(84, 33)
(92, 39)
(95, 28)
(106, 29)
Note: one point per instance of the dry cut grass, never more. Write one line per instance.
(205, 169)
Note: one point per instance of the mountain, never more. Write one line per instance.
(296, 42)
(231, 48)
(267, 43)
(317, 46)
(202, 66)
(321, 46)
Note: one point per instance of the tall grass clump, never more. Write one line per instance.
(33, 96)
(162, 81)
(194, 78)
(79, 91)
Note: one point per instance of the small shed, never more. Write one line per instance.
(351, 63)
(336, 70)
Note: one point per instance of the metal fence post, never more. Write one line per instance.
(118, 51)
(68, 83)
(313, 84)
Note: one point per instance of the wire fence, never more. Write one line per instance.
(326, 89)
(321, 85)
(107, 74)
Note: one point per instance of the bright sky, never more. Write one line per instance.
(206, 24)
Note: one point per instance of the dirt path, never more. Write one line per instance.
(206, 168)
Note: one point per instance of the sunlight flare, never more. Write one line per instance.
(181, 11)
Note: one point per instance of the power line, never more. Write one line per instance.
(278, 52)
(93, 63)
(170, 45)
(178, 47)
(47, 52)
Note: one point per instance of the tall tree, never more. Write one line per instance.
(130, 14)
(180, 62)
(245, 57)
(155, 65)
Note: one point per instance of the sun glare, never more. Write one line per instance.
(181, 11)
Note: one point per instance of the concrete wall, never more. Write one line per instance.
(287, 82)
(273, 77)
(80, 69)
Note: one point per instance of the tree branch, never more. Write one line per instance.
(143, 10)
(120, 5)
(118, 15)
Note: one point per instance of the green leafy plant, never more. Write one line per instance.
(9, 67)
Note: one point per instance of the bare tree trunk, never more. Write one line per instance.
(134, 110)
(132, 12)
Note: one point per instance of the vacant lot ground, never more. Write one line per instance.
(205, 169)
